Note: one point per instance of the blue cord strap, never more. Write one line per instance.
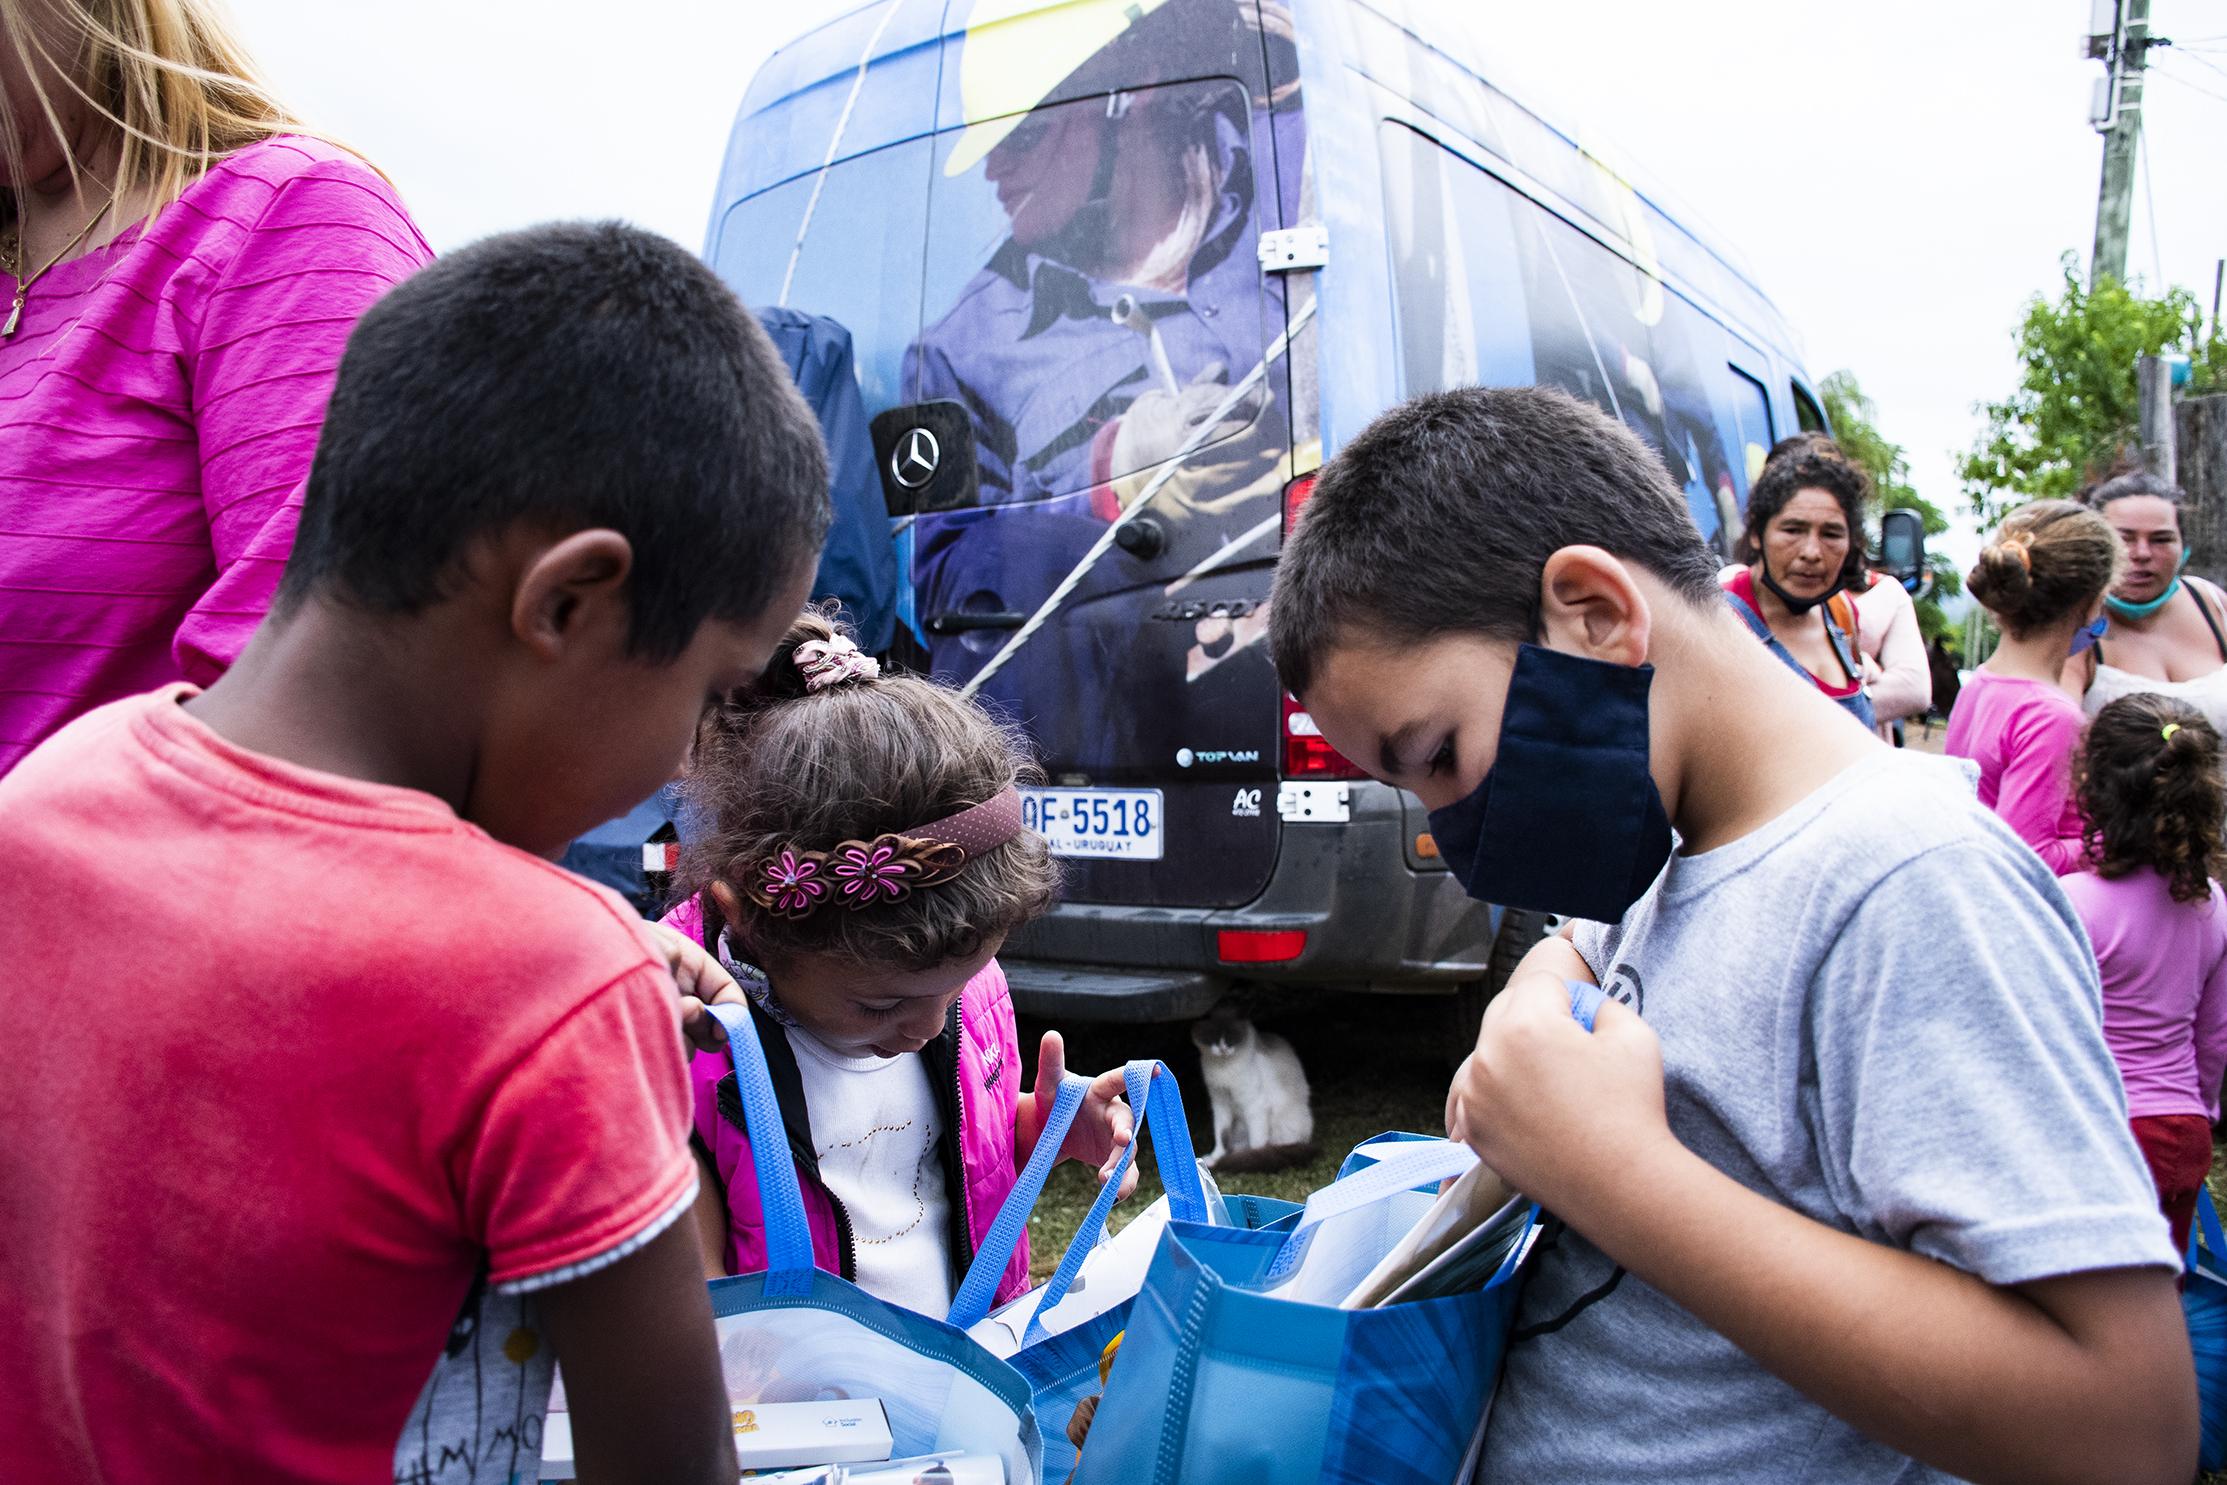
(788, 1235)
(995, 1251)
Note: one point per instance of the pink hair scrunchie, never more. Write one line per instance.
(831, 662)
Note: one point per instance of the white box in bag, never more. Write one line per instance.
(843, 1431)
(768, 1436)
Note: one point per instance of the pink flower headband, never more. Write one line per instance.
(830, 662)
(860, 873)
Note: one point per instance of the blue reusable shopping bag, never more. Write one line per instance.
(2204, 1301)
(796, 1333)
(1221, 1382)
(1062, 1369)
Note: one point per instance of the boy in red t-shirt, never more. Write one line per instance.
(352, 1080)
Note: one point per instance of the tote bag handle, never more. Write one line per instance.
(1157, 1104)
(995, 1251)
(788, 1235)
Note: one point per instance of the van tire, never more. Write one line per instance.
(1520, 928)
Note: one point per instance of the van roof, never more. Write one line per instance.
(813, 87)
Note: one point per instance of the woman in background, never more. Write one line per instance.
(1805, 548)
(180, 265)
(2167, 632)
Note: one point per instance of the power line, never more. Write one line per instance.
(2194, 87)
(2202, 62)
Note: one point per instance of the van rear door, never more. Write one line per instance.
(1095, 317)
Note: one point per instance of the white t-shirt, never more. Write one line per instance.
(876, 1130)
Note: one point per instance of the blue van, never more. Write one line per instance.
(1118, 275)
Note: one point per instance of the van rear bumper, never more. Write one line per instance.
(1376, 916)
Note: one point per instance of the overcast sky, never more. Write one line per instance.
(1900, 174)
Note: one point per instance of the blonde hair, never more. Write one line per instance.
(169, 75)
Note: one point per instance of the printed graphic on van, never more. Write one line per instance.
(1094, 405)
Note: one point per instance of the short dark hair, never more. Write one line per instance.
(572, 376)
(2127, 486)
(1810, 461)
(1440, 515)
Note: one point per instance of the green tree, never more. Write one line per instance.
(1855, 423)
(2074, 411)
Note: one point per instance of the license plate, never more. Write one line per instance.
(1124, 824)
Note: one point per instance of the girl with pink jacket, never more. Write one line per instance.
(858, 858)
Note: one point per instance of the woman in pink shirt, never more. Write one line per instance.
(179, 270)
(2042, 578)
(2151, 794)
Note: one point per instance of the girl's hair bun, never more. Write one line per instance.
(2047, 561)
(2005, 572)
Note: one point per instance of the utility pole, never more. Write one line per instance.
(2119, 118)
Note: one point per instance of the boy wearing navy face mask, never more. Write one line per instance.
(1852, 1197)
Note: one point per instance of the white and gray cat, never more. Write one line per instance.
(1262, 1120)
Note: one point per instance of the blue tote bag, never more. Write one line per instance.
(1222, 1381)
(2204, 1301)
(1062, 1368)
(796, 1333)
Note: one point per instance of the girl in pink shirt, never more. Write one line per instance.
(2153, 800)
(179, 271)
(2042, 579)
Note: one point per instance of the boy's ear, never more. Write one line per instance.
(581, 576)
(1590, 604)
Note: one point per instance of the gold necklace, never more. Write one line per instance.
(15, 265)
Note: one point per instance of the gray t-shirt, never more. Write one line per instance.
(1880, 1011)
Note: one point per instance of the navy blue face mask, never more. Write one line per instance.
(1567, 820)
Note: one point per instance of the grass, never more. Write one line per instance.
(1375, 1063)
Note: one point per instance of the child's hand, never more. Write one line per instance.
(1558, 1111)
(1103, 1125)
(703, 981)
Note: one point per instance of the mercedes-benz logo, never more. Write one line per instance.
(913, 462)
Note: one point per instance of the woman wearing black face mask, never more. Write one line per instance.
(1805, 546)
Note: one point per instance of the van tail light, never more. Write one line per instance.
(1306, 755)
(1295, 495)
(1260, 945)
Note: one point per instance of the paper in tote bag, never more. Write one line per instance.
(2204, 1301)
(795, 1333)
(1222, 1379)
(1056, 1333)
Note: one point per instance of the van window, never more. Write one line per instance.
(1492, 288)
(1093, 292)
(869, 209)
(1751, 410)
(1806, 411)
